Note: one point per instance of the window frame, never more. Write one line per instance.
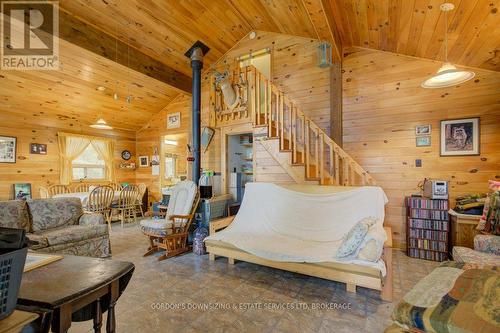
(85, 168)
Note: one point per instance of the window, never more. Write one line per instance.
(260, 60)
(170, 166)
(89, 165)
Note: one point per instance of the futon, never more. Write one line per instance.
(301, 225)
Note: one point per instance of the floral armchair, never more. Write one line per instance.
(486, 251)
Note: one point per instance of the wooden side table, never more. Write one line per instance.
(16, 321)
(463, 229)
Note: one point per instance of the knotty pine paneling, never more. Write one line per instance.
(293, 69)
(416, 28)
(43, 170)
(150, 136)
(383, 102)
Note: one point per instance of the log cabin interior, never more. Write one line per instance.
(250, 166)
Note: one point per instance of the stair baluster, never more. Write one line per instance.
(310, 146)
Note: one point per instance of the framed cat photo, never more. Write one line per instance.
(460, 137)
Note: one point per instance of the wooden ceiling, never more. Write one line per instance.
(68, 98)
(416, 28)
(165, 29)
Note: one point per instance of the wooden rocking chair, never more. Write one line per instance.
(171, 234)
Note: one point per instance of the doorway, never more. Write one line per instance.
(173, 165)
(239, 164)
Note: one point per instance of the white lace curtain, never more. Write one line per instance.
(72, 145)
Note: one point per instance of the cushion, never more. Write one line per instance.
(14, 214)
(73, 233)
(90, 219)
(487, 243)
(469, 256)
(355, 237)
(157, 227)
(53, 213)
(372, 246)
(181, 200)
(490, 220)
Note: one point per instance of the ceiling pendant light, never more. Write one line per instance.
(448, 75)
(101, 124)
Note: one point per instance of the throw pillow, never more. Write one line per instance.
(355, 237)
(373, 244)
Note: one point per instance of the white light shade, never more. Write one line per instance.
(171, 142)
(447, 76)
(101, 124)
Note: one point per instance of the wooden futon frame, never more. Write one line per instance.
(351, 274)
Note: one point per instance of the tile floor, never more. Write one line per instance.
(244, 297)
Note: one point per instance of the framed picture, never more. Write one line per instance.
(38, 148)
(206, 136)
(22, 191)
(143, 161)
(423, 141)
(8, 149)
(422, 130)
(460, 137)
(174, 120)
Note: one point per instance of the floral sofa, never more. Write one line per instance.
(58, 225)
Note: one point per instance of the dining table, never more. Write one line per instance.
(83, 196)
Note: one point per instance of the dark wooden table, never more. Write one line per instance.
(76, 289)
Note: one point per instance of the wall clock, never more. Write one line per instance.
(126, 155)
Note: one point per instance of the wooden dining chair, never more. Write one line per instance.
(115, 186)
(100, 201)
(81, 187)
(58, 189)
(138, 205)
(43, 192)
(126, 203)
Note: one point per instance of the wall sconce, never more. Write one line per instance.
(324, 55)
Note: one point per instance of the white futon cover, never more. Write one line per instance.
(286, 224)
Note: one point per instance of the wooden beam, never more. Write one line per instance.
(90, 38)
(336, 103)
(324, 25)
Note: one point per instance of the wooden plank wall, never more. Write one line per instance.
(43, 170)
(383, 102)
(294, 70)
(149, 138)
(267, 169)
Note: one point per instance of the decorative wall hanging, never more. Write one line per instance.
(174, 120)
(460, 137)
(143, 161)
(22, 191)
(423, 141)
(206, 137)
(422, 130)
(126, 155)
(8, 149)
(38, 148)
(229, 92)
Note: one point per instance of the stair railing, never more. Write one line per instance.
(310, 146)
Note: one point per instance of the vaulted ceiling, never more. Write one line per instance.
(160, 31)
(166, 29)
(416, 28)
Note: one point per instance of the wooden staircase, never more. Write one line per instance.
(302, 148)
